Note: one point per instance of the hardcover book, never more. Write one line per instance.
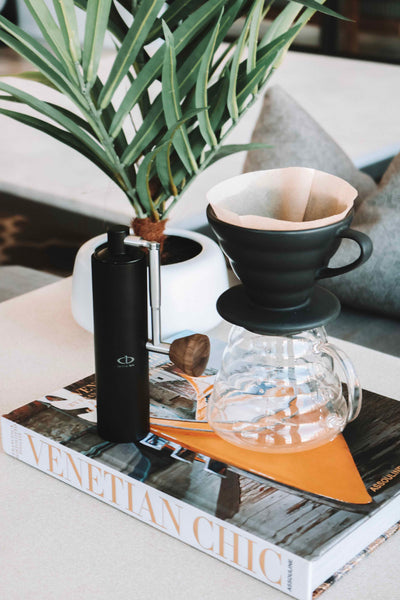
(298, 521)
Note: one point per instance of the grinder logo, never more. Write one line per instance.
(126, 361)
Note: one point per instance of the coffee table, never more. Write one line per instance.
(57, 542)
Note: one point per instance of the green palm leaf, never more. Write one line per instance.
(25, 45)
(152, 166)
(265, 59)
(230, 149)
(144, 175)
(51, 32)
(67, 113)
(65, 11)
(62, 136)
(316, 6)
(173, 15)
(201, 96)
(116, 24)
(175, 139)
(217, 96)
(97, 17)
(164, 170)
(144, 19)
(183, 35)
(143, 139)
(171, 103)
(130, 5)
(281, 23)
(163, 159)
(36, 76)
(301, 21)
(232, 101)
(258, 15)
(56, 115)
(289, 14)
(106, 117)
(152, 126)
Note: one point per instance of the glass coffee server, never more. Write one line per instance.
(278, 389)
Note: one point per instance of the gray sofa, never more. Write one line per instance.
(370, 295)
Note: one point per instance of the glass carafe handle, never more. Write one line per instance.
(354, 391)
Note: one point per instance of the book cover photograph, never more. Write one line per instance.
(297, 521)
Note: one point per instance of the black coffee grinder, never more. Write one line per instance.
(119, 277)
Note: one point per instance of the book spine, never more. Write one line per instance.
(252, 555)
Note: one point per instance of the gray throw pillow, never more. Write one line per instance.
(376, 284)
(298, 141)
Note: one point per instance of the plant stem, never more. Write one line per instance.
(108, 144)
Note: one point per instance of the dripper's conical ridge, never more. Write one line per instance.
(278, 271)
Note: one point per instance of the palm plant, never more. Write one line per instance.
(181, 100)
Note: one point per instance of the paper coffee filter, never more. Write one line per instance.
(282, 199)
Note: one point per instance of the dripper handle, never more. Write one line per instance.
(365, 245)
(354, 390)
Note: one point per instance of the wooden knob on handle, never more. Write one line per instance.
(190, 354)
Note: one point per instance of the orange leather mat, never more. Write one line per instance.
(327, 471)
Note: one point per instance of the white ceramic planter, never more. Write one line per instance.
(189, 289)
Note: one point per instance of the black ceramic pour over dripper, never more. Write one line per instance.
(278, 271)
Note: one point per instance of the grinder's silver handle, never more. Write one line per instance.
(190, 353)
(154, 290)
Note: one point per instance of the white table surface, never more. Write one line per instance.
(356, 102)
(59, 543)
